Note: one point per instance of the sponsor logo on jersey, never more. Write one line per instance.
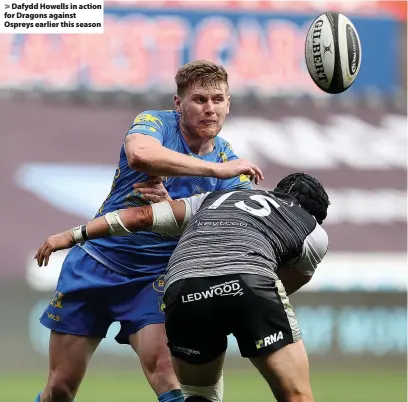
(162, 305)
(244, 178)
(148, 118)
(199, 223)
(223, 157)
(186, 351)
(56, 300)
(269, 340)
(158, 284)
(53, 317)
(231, 288)
(228, 146)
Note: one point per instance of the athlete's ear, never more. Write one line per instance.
(177, 103)
(228, 103)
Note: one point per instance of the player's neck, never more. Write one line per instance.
(197, 145)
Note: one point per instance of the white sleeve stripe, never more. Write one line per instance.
(314, 249)
(192, 204)
(195, 202)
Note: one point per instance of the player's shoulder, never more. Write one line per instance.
(223, 145)
(225, 150)
(159, 118)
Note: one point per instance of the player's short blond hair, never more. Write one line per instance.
(204, 72)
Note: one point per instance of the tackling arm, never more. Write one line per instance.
(301, 270)
(167, 218)
(292, 279)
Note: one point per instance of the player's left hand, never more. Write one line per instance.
(153, 189)
(56, 242)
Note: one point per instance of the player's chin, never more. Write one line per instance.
(209, 132)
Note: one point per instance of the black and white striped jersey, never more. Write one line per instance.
(246, 231)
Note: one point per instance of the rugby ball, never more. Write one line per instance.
(333, 52)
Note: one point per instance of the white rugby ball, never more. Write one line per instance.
(333, 52)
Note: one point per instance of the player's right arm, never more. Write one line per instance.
(167, 218)
(301, 271)
(145, 153)
(293, 280)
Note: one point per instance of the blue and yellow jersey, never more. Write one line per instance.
(146, 253)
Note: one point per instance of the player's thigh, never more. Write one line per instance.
(69, 357)
(263, 319)
(138, 304)
(195, 331)
(79, 306)
(287, 372)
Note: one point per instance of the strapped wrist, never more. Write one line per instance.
(79, 234)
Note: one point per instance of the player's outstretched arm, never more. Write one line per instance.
(301, 272)
(146, 154)
(168, 218)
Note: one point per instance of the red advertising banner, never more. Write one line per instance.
(397, 9)
(141, 50)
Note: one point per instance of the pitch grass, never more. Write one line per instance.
(240, 386)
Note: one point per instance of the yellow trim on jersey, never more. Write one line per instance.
(148, 118)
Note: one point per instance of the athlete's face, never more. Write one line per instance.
(203, 110)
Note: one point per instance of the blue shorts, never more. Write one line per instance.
(89, 297)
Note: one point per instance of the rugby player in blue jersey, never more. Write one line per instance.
(170, 154)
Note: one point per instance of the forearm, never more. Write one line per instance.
(94, 230)
(131, 220)
(160, 161)
(162, 218)
(291, 288)
(127, 221)
(292, 280)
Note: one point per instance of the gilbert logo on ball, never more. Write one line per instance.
(333, 52)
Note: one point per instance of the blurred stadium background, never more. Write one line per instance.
(67, 101)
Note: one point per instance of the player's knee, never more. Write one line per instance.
(158, 363)
(196, 399)
(59, 392)
(60, 389)
(159, 372)
(297, 396)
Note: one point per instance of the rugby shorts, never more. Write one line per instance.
(201, 312)
(89, 297)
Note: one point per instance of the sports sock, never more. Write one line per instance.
(172, 396)
(38, 399)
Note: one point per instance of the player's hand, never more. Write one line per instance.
(56, 242)
(237, 167)
(153, 189)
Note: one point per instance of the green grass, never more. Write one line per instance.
(240, 386)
